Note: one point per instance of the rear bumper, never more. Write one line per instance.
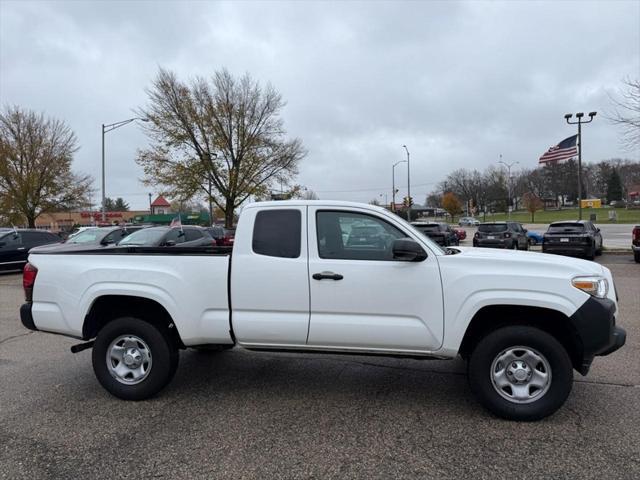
(566, 249)
(594, 323)
(26, 317)
(506, 243)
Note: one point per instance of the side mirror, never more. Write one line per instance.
(408, 250)
(597, 229)
(170, 243)
(525, 230)
(107, 242)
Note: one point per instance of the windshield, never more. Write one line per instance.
(428, 228)
(492, 227)
(146, 236)
(566, 228)
(92, 235)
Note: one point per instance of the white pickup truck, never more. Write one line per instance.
(315, 276)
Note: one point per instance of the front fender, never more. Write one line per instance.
(458, 318)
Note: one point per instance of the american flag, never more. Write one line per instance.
(565, 150)
(176, 222)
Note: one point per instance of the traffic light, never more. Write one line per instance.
(410, 201)
(405, 201)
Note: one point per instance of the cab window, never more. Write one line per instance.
(346, 235)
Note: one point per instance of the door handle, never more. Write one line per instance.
(20, 248)
(327, 275)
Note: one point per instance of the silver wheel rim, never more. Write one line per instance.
(520, 374)
(129, 359)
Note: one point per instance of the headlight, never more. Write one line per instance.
(596, 286)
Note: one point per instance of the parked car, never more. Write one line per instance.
(535, 238)
(461, 233)
(15, 245)
(635, 243)
(439, 232)
(523, 322)
(95, 237)
(468, 222)
(186, 236)
(223, 236)
(501, 235)
(580, 237)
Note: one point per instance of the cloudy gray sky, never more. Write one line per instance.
(458, 82)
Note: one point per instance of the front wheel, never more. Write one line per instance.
(636, 256)
(134, 359)
(520, 373)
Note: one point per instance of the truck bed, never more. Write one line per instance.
(190, 283)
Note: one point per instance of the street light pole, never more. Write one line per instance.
(579, 116)
(408, 184)
(393, 182)
(508, 165)
(106, 129)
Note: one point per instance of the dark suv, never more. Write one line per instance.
(15, 245)
(501, 235)
(441, 233)
(580, 238)
(187, 236)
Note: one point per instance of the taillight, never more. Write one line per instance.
(477, 235)
(636, 233)
(507, 235)
(28, 279)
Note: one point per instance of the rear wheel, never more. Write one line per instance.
(520, 373)
(591, 254)
(134, 359)
(636, 256)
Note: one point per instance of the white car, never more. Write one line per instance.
(523, 321)
(468, 222)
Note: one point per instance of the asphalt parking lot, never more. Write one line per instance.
(238, 414)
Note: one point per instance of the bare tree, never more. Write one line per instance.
(532, 203)
(35, 166)
(221, 138)
(626, 113)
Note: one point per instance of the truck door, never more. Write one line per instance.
(361, 298)
(269, 277)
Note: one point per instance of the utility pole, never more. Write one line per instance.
(508, 165)
(408, 184)
(150, 204)
(579, 116)
(393, 182)
(106, 129)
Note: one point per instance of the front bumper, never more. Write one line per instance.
(26, 317)
(594, 323)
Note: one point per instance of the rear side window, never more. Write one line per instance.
(192, 234)
(276, 233)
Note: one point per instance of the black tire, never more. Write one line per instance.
(163, 352)
(515, 245)
(495, 343)
(591, 254)
(532, 241)
(636, 256)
